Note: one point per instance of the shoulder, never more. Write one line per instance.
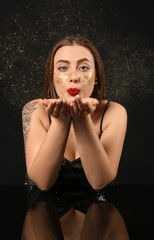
(35, 110)
(111, 107)
(115, 113)
(115, 107)
(32, 106)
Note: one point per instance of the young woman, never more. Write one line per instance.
(74, 135)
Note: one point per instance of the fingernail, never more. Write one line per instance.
(77, 97)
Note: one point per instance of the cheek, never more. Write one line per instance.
(88, 85)
(87, 78)
(60, 78)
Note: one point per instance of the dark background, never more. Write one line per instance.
(122, 31)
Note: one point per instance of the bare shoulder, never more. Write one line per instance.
(116, 113)
(34, 107)
(34, 111)
(117, 107)
(31, 106)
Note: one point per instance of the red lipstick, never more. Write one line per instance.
(73, 91)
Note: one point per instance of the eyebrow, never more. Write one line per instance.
(79, 61)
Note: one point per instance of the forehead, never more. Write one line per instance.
(73, 53)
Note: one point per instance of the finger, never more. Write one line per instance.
(75, 107)
(80, 104)
(50, 107)
(87, 107)
(45, 102)
(94, 102)
(64, 109)
(71, 109)
(56, 112)
(68, 108)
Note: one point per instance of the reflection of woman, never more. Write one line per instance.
(74, 123)
(102, 221)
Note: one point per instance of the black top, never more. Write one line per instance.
(70, 185)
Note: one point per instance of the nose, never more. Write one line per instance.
(74, 78)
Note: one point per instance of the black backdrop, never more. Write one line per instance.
(123, 33)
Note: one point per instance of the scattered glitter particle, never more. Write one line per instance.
(30, 31)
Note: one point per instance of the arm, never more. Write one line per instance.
(100, 158)
(44, 143)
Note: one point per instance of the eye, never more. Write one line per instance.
(62, 68)
(84, 68)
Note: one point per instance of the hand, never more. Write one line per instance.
(57, 108)
(80, 108)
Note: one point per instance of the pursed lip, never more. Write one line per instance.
(73, 91)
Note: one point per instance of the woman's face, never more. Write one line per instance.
(74, 72)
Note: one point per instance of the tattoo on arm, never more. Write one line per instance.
(28, 109)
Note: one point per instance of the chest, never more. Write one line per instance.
(71, 150)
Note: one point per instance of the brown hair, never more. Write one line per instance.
(48, 86)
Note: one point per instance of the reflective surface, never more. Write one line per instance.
(102, 221)
(126, 214)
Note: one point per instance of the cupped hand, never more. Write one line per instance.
(82, 107)
(57, 108)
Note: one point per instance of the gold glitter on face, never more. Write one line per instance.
(84, 78)
(62, 77)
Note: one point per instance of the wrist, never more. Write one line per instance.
(81, 119)
(61, 121)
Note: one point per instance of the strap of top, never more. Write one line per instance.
(100, 133)
(49, 119)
